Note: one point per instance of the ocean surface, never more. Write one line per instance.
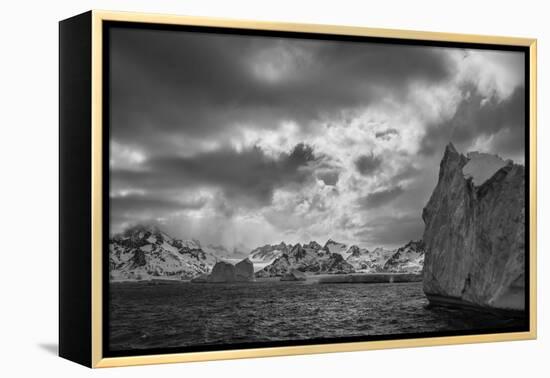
(145, 315)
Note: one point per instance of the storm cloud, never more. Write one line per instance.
(128, 204)
(392, 230)
(200, 84)
(240, 139)
(380, 198)
(367, 164)
(386, 134)
(248, 175)
(500, 123)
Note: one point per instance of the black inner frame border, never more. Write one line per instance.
(105, 30)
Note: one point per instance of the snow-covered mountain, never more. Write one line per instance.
(335, 257)
(407, 259)
(142, 252)
(311, 258)
(367, 261)
(268, 253)
(335, 247)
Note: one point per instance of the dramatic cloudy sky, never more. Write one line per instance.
(250, 140)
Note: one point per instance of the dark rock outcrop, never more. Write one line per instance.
(475, 237)
(244, 270)
(227, 272)
(222, 272)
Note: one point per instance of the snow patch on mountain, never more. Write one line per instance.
(144, 252)
(481, 166)
(336, 247)
(309, 258)
(268, 253)
(366, 261)
(407, 259)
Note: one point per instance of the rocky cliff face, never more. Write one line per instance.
(474, 237)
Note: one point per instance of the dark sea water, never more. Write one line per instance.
(185, 314)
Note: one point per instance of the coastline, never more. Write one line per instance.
(366, 278)
(372, 278)
(457, 303)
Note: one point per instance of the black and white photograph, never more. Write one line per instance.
(278, 189)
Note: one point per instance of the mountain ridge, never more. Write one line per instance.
(146, 252)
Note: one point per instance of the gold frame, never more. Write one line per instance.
(97, 358)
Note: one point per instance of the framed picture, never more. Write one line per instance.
(234, 189)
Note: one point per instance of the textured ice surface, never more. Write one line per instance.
(482, 166)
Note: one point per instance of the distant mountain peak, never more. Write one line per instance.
(296, 249)
(408, 258)
(268, 252)
(306, 258)
(333, 246)
(355, 251)
(313, 245)
(144, 251)
(141, 228)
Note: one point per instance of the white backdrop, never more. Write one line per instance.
(29, 239)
